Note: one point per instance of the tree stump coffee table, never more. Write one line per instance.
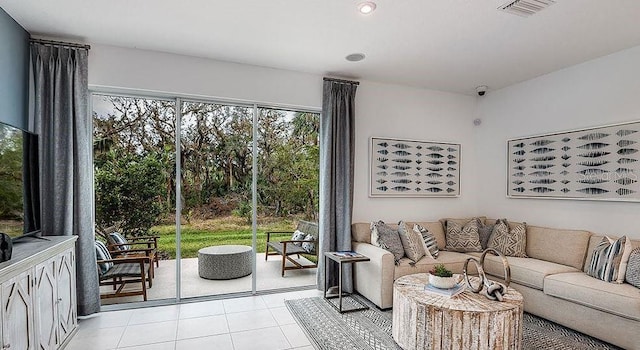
(426, 320)
(225, 262)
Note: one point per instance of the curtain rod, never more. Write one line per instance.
(60, 43)
(342, 81)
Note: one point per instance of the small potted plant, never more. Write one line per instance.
(441, 277)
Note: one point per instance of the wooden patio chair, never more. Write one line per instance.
(290, 247)
(127, 246)
(119, 272)
(119, 246)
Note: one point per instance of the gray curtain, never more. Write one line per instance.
(63, 123)
(336, 177)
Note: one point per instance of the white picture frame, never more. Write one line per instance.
(410, 168)
(598, 163)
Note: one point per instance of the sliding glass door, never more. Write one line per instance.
(134, 173)
(287, 190)
(216, 155)
(191, 179)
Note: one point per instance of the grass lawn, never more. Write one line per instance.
(220, 231)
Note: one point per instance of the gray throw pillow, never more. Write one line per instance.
(389, 239)
(411, 242)
(463, 238)
(509, 242)
(633, 268)
(484, 233)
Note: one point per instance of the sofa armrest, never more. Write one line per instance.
(374, 279)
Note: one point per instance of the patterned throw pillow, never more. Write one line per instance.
(309, 246)
(298, 236)
(463, 239)
(484, 233)
(411, 242)
(632, 276)
(606, 258)
(509, 242)
(428, 240)
(102, 253)
(628, 247)
(117, 238)
(389, 239)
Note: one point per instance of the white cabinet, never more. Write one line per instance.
(18, 329)
(66, 278)
(47, 304)
(37, 290)
(55, 300)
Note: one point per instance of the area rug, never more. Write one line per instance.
(371, 329)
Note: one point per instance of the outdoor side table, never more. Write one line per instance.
(341, 260)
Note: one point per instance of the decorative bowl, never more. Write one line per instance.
(444, 282)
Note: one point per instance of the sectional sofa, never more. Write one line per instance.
(551, 279)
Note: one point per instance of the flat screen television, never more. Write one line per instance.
(19, 183)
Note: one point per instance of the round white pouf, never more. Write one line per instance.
(224, 262)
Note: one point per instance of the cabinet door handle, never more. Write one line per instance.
(7, 346)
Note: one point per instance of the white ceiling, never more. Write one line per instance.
(450, 45)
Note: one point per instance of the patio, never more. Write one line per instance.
(268, 278)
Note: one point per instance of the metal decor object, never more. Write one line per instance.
(490, 289)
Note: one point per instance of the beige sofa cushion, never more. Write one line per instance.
(619, 299)
(565, 247)
(452, 260)
(525, 271)
(361, 232)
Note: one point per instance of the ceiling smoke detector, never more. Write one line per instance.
(526, 8)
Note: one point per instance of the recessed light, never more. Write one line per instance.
(366, 7)
(355, 57)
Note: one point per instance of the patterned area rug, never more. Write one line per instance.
(371, 329)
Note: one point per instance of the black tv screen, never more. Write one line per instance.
(19, 182)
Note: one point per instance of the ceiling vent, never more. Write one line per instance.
(525, 8)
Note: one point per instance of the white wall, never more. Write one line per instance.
(117, 67)
(382, 110)
(599, 92)
(415, 114)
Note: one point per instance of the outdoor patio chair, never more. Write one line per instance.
(303, 241)
(119, 245)
(118, 272)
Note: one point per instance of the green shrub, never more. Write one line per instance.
(129, 189)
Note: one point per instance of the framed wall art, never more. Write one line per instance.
(406, 168)
(598, 163)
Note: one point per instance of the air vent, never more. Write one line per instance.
(526, 8)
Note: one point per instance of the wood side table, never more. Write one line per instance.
(426, 320)
(341, 260)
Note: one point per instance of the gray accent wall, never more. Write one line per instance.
(14, 72)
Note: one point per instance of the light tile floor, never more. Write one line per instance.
(268, 273)
(257, 322)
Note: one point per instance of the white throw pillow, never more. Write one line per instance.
(309, 246)
(374, 234)
(628, 247)
(298, 236)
